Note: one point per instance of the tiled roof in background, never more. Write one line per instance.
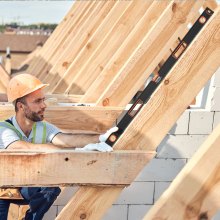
(21, 43)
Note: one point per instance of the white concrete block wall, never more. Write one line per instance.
(183, 140)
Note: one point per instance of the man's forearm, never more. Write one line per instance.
(18, 145)
(74, 140)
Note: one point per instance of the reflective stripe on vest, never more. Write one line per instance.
(34, 128)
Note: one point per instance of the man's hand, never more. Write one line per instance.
(102, 147)
(104, 137)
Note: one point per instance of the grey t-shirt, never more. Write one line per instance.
(8, 136)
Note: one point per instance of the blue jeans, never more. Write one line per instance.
(39, 199)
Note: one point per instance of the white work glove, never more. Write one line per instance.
(105, 136)
(102, 147)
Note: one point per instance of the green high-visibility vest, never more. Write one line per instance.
(9, 125)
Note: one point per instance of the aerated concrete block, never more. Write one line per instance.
(137, 193)
(160, 188)
(217, 78)
(216, 119)
(161, 170)
(137, 212)
(200, 122)
(215, 103)
(116, 212)
(181, 126)
(51, 214)
(217, 216)
(65, 196)
(180, 146)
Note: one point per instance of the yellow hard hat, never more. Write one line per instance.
(23, 84)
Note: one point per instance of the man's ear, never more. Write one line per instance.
(19, 105)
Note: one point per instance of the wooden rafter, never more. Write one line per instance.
(82, 36)
(146, 131)
(68, 24)
(68, 167)
(112, 41)
(74, 118)
(169, 26)
(194, 193)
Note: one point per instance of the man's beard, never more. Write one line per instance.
(33, 116)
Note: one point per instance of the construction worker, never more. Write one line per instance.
(27, 130)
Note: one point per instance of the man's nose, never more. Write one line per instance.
(43, 104)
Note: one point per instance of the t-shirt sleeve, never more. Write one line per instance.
(7, 136)
(52, 131)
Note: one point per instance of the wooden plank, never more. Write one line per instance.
(195, 191)
(154, 120)
(92, 45)
(59, 98)
(69, 24)
(66, 55)
(183, 83)
(83, 57)
(171, 25)
(55, 36)
(74, 118)
(62, 167)
(118, 34)
(211, 4)
(4, 78)
(66, 40)
(128, 47)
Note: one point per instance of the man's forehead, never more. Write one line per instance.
(38, 94)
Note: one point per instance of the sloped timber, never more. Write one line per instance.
(70, 22)
(58, 98)
(83, 35)
(195, 191)
(154, 47)
(4, 79)
(74, 118)
(66, 167)
(109, 45)
(155, 119)
(93, 8)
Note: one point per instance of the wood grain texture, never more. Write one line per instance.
(60, 98)
(95, 42)
(147, 130)
(4, 79)
(80, 83)
(68, 167)
(199, 62)
(128, 47)
(77, 42)
(195, 192)
(74, 118)
(156, 44)
(70, 23)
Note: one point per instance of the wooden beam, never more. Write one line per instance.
(83, 15)
(116, 35)
(4, 79)
(74, 118)
(155, 119)
(195, 191)
(197, 65)
(66, 167)
(70, 23)
(125, 52)
(59, 98)
(131, 76)
(78, 42)
(103, 31)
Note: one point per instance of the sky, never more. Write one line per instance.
(37, 11)
(28, 12)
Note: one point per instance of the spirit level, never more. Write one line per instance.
(166, 67)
